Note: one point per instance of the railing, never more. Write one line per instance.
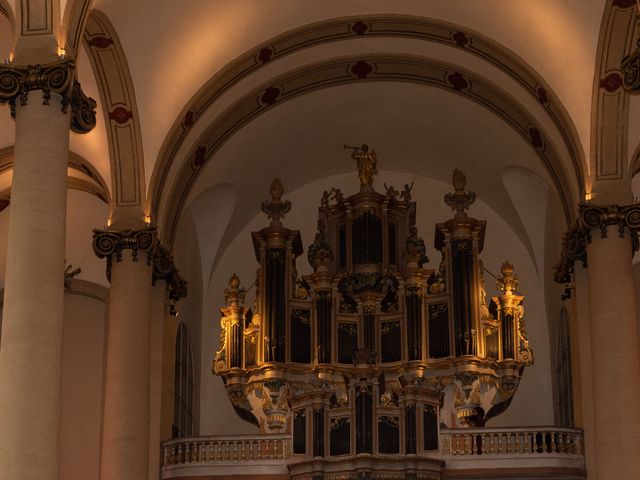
(231, 449)
(516, 449)
(529, 441)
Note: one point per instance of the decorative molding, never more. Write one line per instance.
(590, 218)
(164, 269)
(75, 18)
(117, 96)
(37, 17)
(610, 104)
(333, 72)
(57, 77)
(106, 243)
(327, 31)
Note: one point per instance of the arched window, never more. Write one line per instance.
(183, 386)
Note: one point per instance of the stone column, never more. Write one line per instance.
(605, 237)
(614, 341)
(31, 349)
(125, 431)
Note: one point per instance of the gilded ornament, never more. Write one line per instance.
(367, 163)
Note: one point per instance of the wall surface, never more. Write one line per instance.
(82, 386)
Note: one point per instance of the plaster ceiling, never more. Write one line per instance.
(174, 48)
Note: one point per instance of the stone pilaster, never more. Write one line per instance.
(31, 351)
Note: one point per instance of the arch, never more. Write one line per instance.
(333, 72)
(73, 24)
(5, 9)
(404, 26)
(610, 104)
(121, 114)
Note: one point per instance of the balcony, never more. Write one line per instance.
(487, 453)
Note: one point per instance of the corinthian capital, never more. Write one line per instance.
(16, 81)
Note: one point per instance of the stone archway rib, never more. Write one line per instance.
(120, 111)
(372, 26)
(346, 70)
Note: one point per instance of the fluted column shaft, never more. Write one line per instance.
(125, 436)
(616, 355)
(31, 349)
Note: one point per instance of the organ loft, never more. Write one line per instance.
(369, 355)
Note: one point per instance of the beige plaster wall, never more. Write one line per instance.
(82, 386)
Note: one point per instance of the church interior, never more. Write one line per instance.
(319, 240)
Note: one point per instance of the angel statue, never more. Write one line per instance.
(366, 161)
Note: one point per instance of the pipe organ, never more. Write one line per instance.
(372, 351)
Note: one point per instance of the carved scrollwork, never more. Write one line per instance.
(58, 77)
(631, 71)
(106, 243)
(595, 217)
(83, 113)
(165, 269)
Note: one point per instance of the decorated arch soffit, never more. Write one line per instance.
(73, 23)
(119, 106)
(167, 196)
(610, 108)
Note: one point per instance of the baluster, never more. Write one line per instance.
(472, 444)
(518, 443)
(250, 450)
(528, 443)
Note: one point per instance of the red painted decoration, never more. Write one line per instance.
(189, 118)
(624, 3)
(359, 28)
(461, 39)
(200, 157)
(100, 42)
(361, 69)
(611, 82)
(542, 95)
(457, 81)
(270, 95)
(536, 137)
(265, 54)
(120, 115)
